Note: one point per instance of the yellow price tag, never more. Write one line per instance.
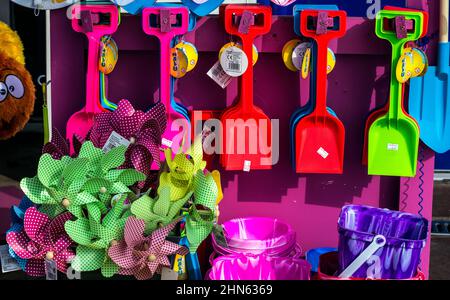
(178, 63)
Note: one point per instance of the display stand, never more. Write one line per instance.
(311, 203)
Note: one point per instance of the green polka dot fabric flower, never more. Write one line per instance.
(94, 239)
(159, 211)
(201, 215)
(182, 169)
(87, 182)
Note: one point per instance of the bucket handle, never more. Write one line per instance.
(377, 242)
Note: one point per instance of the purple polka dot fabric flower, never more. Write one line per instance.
(142, 129)
(42, 238)
(144, 256)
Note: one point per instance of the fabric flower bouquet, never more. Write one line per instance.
(105, 207)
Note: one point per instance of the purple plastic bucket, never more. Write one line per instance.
(405, 238)
(257, 235)
(258, 267)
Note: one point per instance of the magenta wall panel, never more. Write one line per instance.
(311, 203)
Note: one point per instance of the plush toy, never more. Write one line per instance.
(17, 91)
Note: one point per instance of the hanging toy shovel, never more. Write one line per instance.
(165, 23)
(320, 136)
(246, 128)
(394, 137)
(429, 96)
(374, 115)
(95, 21)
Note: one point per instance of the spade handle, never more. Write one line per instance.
(443, 21)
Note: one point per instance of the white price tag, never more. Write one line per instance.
(322, 152)
(115, 140)
(219, 76)
(51, 271)
(9, 264)
(247, 165)
(392, 147)
(166, 142)
(168, 274)
(234, 61)
(299, 53)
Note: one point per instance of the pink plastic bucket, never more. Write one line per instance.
(258, 267)
(257, 235)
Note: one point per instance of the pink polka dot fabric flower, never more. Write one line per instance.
(42, 238)
(59, 146)
(143, 256)
(142, 129)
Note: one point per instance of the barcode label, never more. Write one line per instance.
(9, 264)
(392, 147)
(51, 272)
(322, 152)
(115, 140)
(219, 76)
(234, 66)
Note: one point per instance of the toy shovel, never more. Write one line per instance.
(393, 138)
(374, 115)
(320, 136)
(246, 128)
(429, 97)
(95, 21)
(165, 23)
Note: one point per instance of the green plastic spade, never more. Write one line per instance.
(394, 137)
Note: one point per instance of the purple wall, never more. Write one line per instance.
(311, 203)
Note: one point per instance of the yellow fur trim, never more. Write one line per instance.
(11, 44)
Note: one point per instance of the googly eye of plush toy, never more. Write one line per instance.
(3, 91)
(15, 86)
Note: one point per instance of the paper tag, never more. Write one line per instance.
(322, 152)
(298, 53)
(108, 55)
(219, 235)
(323, 22)
(231, 44)
(234, 61)
(219, 76)
(164, 20)
(247, 165)
(179, 267)
(331, 61)
(168, 274)
(306, 63)
(400, 27)
(247, 19)
(392, 147)
(51, 271)
(115, 140)
(166, 142)
(9, 264)
(178, 63)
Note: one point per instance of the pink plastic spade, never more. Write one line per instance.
(165, 23)
(94, 21)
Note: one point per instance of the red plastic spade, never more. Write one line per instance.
(320, 136)
(246, 120)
